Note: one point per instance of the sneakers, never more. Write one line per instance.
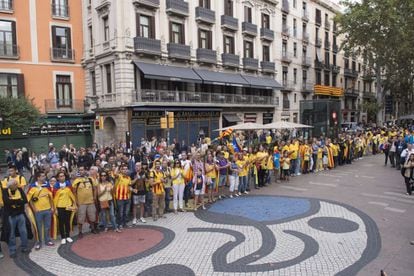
(204, 207)
(120, 227)
(117, 230)
(49, 243)
(246, 192)
(63, 241)
(231, 196)
(69, 240)
(106, 229)
(134, 221)
(1, 255)
(142, 220)
(37, 246)
(219, 197)
(237, 194)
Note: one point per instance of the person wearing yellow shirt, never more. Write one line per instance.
(86, 196)
(177, 178)
(269, 167)
(307, 154)
(211, 176)
(335, 152)
(242, 164)
(65, 204)
(157, 179)
(12, 174)
(261, 162)
(268, 139)
(319, 161)
(251, 176)
(293, 150)
(122, 189)
(285, 164)
(41, 203)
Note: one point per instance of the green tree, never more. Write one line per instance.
(18, 113)
(371, 108)
(382, 32)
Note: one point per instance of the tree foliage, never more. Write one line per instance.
(382, 32)
(18, 113)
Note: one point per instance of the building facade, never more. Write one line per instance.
(40, 54)
(213, 63)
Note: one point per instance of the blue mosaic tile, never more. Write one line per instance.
(262, 208)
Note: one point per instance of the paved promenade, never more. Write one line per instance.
(355, 220)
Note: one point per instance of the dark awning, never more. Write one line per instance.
(165, 72)
(259, 82)
(220, 78)
(232, 118)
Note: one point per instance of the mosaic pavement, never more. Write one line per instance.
(252, 235)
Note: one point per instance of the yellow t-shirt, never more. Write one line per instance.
(320, 152)
(294, 148)
(158, 188)
(286, 163)
(262, 158)
(122, 187)
(21, 181)
(285, 148)
(268, 139)
(240, 164)
(43, 196)
(64, 198)
(179, 180)
(83, 190)
(270, 165)
(306, 153)
(226, 154)
(211, 170)
(335, 149)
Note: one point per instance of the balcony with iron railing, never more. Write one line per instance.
(205, 15)
(305, 16)
(230, 60)
(249, 28)
(206, 55)
(62, 55)
(306, 62)
(267, 66)
(285, 30)
(368, 94)
(154, 4)
(368, 75)
(149, 46)
(286, 57)
(190, 97)
(307, 87)
(177, 7)
(287, 85)
(348, 72)
(229, 22)
(9, 51)
(335, 69)
(60, 10)
(64, 106)
(305, 37)
(318, 42)
(318, 64)
(286, 105)
(267, 34)
(285, 6)
(179, 51)
(250, 63)
(6, 6)
(351, 92)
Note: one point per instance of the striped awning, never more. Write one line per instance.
(328, 91)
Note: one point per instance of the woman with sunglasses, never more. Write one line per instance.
(65, 203)
(106, 202)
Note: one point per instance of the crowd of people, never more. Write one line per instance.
(114, 187)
